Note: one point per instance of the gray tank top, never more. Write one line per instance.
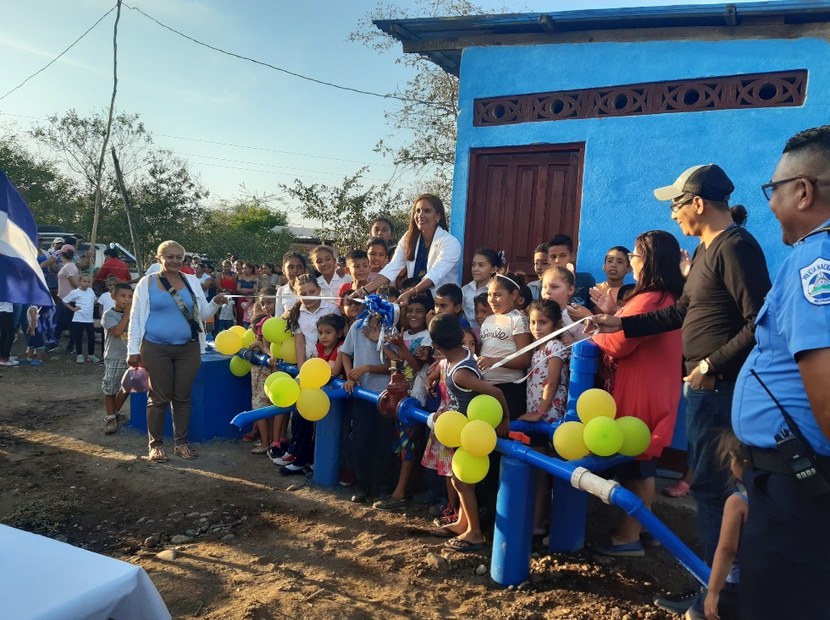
(458, 396)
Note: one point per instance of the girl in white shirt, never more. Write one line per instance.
(81, 302)
(326, 263)
(303, 317)
(502, 333)
(486, 262)
(293, 266)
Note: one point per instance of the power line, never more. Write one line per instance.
(54, 60)
(260, 148)
(274, 173)
(280, 69)
(257, 163)
(238, 146)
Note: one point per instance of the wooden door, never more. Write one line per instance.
(519, 197)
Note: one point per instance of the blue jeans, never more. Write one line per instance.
(708, 414)
(20, 316)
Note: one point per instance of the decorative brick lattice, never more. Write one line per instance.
(759, 90)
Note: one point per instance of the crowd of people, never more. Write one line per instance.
(703, 322)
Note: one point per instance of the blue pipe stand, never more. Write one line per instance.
(584, 361)
(568, 512)
(513, 535)
(516, 498)
(327, 436)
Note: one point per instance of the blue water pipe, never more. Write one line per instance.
(572, 480)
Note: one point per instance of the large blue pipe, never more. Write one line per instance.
(511, 543)
(619, 496)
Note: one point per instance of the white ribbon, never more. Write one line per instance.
(298, 297)
(536, 343)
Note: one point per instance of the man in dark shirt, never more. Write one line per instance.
(724, 291)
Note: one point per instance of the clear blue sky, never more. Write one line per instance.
(189, 96)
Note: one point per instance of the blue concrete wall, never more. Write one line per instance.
(626, 158)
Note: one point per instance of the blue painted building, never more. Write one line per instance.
(569, 120)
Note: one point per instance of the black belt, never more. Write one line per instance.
(768, 459)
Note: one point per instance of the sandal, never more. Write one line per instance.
(249, 437)
(158, 455)
(678, 489)
(459, 544)
(185, 452)
(260, 449)
(443, 532)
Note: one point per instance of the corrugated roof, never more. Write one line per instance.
(299, 232)
(442, 39)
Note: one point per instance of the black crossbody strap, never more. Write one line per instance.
(195, 327)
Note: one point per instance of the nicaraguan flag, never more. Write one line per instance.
(21, 278)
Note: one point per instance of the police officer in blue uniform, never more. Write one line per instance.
(784, 555)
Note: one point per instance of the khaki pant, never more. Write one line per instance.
(171, 369)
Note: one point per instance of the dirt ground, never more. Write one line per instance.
(257, 548)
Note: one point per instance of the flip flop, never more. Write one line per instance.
(442, 532)
(458, 544)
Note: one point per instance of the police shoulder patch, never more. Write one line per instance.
(815, 282)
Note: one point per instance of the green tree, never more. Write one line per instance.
(243, 227)
(77, 140)
(167, 199)
(430, 151)
(52, 197)
(345, 211)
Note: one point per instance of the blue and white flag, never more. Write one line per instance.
(21, 278)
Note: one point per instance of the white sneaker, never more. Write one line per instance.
(93, 359)
(80, 359)
(13, 358)
(9, 362)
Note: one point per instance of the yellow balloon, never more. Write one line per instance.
(478, 438)
(288, 352)
(237, 329)
(636, 435)
(273, 377)
(569, 442)
(595, 403)
(314, 373)
(284, 392)
(248, 338)
(240, 367)
(313, 404)
(468, 468)
(603, 436)
(276, 329)
(228, 342)
(485, 407)
(448, 428)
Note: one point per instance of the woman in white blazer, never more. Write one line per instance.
(427, 251)
(167, 338)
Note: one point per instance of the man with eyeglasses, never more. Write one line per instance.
(785, 544)
(724, 292)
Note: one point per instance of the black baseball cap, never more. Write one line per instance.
(708, 181)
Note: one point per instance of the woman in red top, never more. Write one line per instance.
(649, 371)
(227, 281)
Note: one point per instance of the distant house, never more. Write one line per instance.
(569, 120)
(305, 239)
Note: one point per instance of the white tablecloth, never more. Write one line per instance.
(44, 579)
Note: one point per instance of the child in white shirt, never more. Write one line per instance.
(81, 302)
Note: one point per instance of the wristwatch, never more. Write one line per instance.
(705, 367)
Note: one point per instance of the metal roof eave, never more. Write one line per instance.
(442, 39)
